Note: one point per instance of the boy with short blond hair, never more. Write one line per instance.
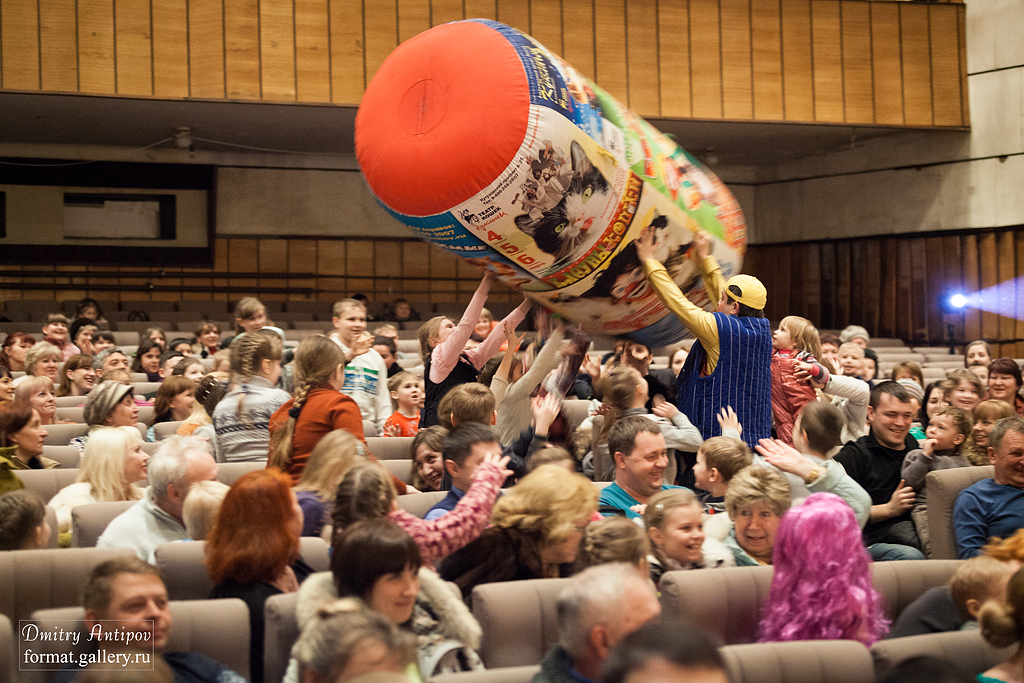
(718, 461)
(365, 373)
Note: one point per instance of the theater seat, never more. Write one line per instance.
(966, 650)
(943, 487)
(47, 483)
(229, 472)
(389, 447)
(726, 602)
(509, 674)
(401, 469)
(518, 620)
(218, 629)
(41, 579)
(61, 435)
(280, 631)
(165, 429)
(418, 504)
(810, 661)
(89, 521)
(186, 577)
(902, 582)
(67, 456)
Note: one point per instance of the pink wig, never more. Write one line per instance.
(821, 589)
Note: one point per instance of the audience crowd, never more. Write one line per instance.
(753, 447)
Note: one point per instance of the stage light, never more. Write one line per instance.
(958, 301)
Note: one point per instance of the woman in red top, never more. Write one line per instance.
(318, 408)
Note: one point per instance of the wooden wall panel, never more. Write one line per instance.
(917, 71)
(481, 9)
(858, 97)
(577, 36)
(887, 64)
(987, 269)
(737, 86)
(19, 41)
(170, 48)
(312, 51)
(58, 57)
(826, 39)
(206, 49)
(546, 23)
(444, 11)
(277, 50)
(674, 58)
(516, 13)
(1006, 289)
(642, 56)
(610, 48)
(945, 55)
(1018, 307)
(134, 47)
(96, 46)
(380, 29)
(413, 18)
(961, 13)
(348, 58)
(831, 61)
(705, 59)
(766, 42)
(242, 49)
(971, 283)
(797, 70)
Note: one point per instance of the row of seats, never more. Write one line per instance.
(518, 618)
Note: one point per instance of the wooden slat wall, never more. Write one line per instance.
(824, 61)
(891, 285)
(382, 269)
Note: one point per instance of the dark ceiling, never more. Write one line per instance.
(326, 129)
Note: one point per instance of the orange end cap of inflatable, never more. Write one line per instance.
(443, 117)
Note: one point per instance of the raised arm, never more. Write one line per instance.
(446, 354)
(488, 347)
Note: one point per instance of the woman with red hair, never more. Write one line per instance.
(252, 552)
(15, 346)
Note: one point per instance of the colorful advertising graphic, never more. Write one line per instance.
(491, 147)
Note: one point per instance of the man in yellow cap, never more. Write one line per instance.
(730, 363)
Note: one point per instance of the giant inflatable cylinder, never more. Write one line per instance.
(491, 147)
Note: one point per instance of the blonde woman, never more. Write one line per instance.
(42, 359)
(536, 527)
(38, 393)
(112, 464)
(330, 461)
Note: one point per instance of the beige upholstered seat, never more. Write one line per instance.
(728, 602)
(47, 482)
(229, 472)
(419, 503)
(72, 413)
(811, 661)
(902, 582)
(943, 487)
(575, 411)
(390, 447)
(966, 650)
(401, 469)
(67, 456)
(280, 630)
(510, 674)
(89, 521)
(165, 429)
(518, 619)
(61, 435)
(218, 629)
(41, 579)
(186, 577)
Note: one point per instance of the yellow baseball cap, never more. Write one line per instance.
(752, 292)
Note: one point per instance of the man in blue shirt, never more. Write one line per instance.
(638, 450)
(993, 507)
(463, 450)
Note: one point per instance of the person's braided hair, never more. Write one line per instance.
(316, 360)
(365, 492)
(247, 354)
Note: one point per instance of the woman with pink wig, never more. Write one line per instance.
(822, 587)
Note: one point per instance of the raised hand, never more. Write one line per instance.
(500, 460)
(663, 408)
(727, 418)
